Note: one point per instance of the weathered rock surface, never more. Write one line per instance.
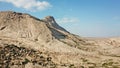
(29, 42)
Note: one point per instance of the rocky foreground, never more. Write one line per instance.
(15, 57)
(29, 42)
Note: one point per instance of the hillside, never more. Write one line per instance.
(29, 42)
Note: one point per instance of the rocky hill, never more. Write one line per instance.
(29, 42)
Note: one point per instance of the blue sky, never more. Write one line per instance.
(88, 18)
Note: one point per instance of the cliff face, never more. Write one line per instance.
(29, 42)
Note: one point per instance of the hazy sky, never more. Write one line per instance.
(89, 18)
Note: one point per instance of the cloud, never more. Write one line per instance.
(68, 20)
(116, 18)
(30, 5)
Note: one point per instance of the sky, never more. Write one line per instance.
(87, 18)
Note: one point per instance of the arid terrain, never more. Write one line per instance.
(29, 42)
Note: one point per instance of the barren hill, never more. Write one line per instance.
(29, 42)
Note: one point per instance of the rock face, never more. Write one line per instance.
(18, 25)
(29, 42)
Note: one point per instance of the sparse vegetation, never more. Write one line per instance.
(84, 60)
(25, 61)
(72, 66)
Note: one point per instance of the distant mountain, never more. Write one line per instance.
(29, 42)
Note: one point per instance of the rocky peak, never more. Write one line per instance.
(50, 19)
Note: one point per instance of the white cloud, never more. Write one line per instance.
(31, 5)
(68, 20)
